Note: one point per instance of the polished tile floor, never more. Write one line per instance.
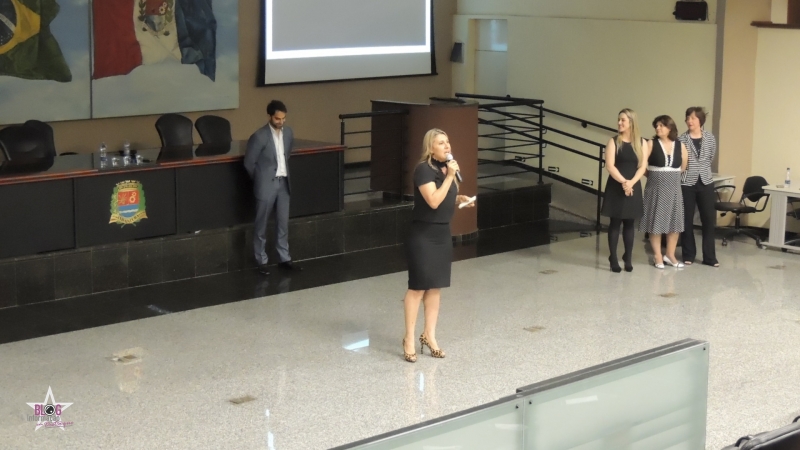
(313, 365)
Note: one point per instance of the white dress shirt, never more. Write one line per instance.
(277, 138)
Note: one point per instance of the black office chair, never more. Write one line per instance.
(784, 438)
(753, 192)
(214, 129)
(174, 130)
(46, 131)
(27, 141)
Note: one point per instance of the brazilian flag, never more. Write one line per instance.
(27, 48)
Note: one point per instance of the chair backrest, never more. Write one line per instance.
(27, 142)
(753, 189)
(46, 131)
(784, 438)
(174, 130)
(214, 129)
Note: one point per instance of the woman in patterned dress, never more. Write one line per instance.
(663, 200)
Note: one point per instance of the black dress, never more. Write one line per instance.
(429, 247)
(615, 203)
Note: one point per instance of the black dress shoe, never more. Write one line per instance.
(288, 265)
(262, 269)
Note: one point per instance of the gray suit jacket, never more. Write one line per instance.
(260, 161)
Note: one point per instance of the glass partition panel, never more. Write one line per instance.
(657, 403)
(651, 400)
(494, 427)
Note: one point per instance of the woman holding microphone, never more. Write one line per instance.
(429, 247)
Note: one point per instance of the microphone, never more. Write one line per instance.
(458, 173)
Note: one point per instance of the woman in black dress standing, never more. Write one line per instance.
(430, 247)
(622, 201)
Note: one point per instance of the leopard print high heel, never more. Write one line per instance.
(410, 357)
(424, 341)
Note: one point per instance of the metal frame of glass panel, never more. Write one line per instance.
(656, 399)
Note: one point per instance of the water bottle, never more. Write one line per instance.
(126, 148)
(788, 181)
(103, 156)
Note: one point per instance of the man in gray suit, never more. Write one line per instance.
(267, 162)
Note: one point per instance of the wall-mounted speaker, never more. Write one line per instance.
(457, 54)
(691, 10)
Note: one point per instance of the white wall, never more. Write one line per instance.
(776, 145)
(645, 10)
(592, 68)
(491, 77)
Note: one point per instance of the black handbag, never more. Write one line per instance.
(687, 10)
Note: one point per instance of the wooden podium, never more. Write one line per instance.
(397, 148)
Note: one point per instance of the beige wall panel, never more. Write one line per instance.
(579, 68)
(777, 109)
(738, 90)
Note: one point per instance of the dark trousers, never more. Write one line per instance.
(278, 199)
(704, 197)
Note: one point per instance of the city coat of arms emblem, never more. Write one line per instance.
(128, 203)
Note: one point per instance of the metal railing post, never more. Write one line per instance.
(341, 131)
(599, 185)
(402, 166)
(541, 144)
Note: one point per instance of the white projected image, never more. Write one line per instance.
(320, 40)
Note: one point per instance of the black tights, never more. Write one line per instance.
(627, 238)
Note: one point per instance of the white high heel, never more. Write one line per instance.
(658, 264)
(679, 264)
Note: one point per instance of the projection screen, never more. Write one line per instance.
(324, 40)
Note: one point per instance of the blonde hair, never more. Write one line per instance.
(427, 148)
(636, 135)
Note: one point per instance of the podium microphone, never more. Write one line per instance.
(458, 173)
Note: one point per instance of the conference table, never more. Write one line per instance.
(779, 196)
(75, 201)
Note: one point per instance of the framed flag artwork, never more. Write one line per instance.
(81, 59)
(44, 60)
(160, 56)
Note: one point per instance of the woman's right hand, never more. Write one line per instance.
(626, 185)
(452, 168)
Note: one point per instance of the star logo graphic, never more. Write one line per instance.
(49, 412)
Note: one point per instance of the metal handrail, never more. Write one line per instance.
(373, 113)
(530, 135)
(572, 150)
(530, 101)
(584, 123)
(555, 130)
(523, 132)
(344, 133)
